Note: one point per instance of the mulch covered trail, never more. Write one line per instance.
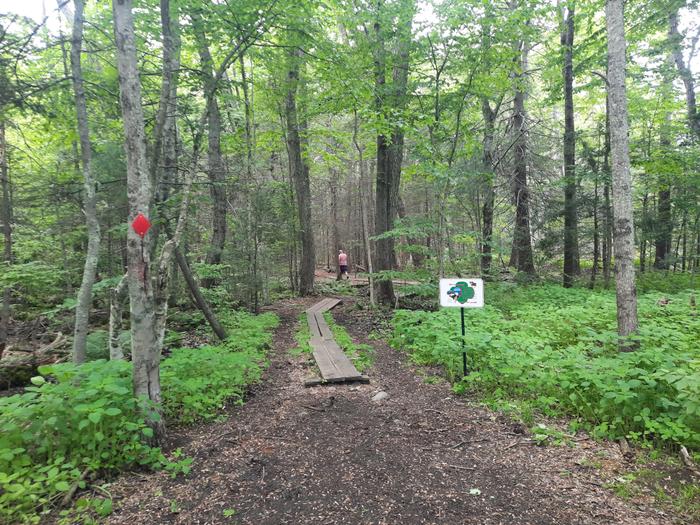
(330, 455)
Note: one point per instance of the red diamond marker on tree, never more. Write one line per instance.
(141, 225)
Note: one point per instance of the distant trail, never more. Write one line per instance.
(330, 455)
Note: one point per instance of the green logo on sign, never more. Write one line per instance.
(461, 292)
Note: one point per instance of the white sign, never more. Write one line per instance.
(462, 292)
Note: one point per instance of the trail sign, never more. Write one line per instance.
(462, 292)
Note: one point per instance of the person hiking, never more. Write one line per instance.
(343, 264)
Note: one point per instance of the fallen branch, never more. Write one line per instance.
(71, 492)
(16, 369)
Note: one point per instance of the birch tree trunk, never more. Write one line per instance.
(82, 309)
(145, 352)
(623, 223)
(571, 254)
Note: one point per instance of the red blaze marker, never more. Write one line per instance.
(141, 225)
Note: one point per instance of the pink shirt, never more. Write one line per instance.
(343, 259)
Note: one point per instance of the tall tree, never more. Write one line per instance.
(299, 171)
(82, 309)
(215, 166)
(521, 254)
(144, 350)
(571, 254)
(489, 115)
(623, 222)
(6, 211)
(389, 100)
(684, 72)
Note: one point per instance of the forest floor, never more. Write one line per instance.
(331, 455)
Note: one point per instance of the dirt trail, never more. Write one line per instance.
(330, 455)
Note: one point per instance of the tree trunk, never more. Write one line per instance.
(117, 295)
(384, 292)
(145, 352)
(521, 255)
(389, 100)
(571, 254)
(623, 227)
(215, 164)
(82, 309)
(685, 73)
(7, 237)
(299, 171)
(489, 116)
(333, 187)
(664, 228)
(363, 206)
(202, 303)
(608, 214)
(593, 166)
(643, 236)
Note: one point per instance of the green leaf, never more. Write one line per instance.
(62, 486)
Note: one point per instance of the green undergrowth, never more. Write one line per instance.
(302, 337)
(546, 350)
(360, 354)
(80, 422)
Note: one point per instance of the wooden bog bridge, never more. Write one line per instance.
(334, 365)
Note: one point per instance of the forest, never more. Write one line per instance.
(179, 177)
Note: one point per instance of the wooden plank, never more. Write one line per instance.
(341, 362)
(315, 308)
(313, 325)
(332, 362)
(318, 381)
(325, 364)
(334, 365)
(323, 327)
(332, 303)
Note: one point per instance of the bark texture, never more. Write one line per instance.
(571, 253)
(389, 99)
(299, 171)
(521, 254)
(145, 352)
(623, 223)
(82, 309)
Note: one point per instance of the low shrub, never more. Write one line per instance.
(556, 351)
(79, 420)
